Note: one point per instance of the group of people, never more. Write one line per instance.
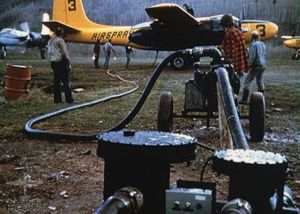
(233, 45)
(107, 49)
(234, 48)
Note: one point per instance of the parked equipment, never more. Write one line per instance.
(256, 186)
(201, 96)
(142, 159)
(126, 201)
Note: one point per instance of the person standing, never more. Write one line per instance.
(257, 64)
(129, 51)
(107, 48)
(61, 66)
(96, 53)
(234, 47)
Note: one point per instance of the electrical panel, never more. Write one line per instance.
(185, 201)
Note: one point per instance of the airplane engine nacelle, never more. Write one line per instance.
(266, 29)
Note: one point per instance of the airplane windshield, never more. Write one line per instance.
(5, 30)
(217, 19)
(141, 25)
(14, 32)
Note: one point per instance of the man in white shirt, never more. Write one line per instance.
(60, 64)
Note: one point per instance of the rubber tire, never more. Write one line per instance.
(165, 112)
(257, 117)
(296, 56)
(178, 62)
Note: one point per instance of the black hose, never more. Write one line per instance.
(233, 120)
(204, 146)
(145, 94)
(54, 136)
(204, 167)
(60, 136)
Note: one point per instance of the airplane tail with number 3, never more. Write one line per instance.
(71, 17)
(72, 13)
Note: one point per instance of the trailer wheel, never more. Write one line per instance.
(257, 117)
(165, 112)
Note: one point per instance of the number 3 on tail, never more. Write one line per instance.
(72, 5)
(260, 28)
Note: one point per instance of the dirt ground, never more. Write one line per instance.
(40, 176)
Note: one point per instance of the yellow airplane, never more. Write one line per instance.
(293, 42)
(173, 29)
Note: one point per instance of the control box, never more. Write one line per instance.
(189, 200)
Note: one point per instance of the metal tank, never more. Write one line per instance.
(142, 159)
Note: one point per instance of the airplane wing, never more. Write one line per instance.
(172, 16)
(52, 25)
(286, 37)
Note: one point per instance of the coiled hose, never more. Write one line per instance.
(29, 130)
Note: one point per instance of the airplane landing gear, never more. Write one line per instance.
(156, 56)
(3, 53)
(296, 56)
(43, 53)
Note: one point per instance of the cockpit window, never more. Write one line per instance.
(206, 25)
(217, 22)
(141, 25)
(5, 30)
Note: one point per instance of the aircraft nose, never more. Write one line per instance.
(288, 43)
(273, 29)
(135, 37)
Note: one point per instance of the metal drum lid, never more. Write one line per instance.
(166, 146)
(238, 161)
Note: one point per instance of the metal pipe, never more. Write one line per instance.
(208, 52)
(128, 200)
(227, 99)
(237, 206)
(28, 128)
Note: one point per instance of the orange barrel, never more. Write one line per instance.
(17, 81)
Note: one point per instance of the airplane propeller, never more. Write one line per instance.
(24, 26)
(33, 36)
(19, 40)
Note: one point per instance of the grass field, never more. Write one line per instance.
(97, 84)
